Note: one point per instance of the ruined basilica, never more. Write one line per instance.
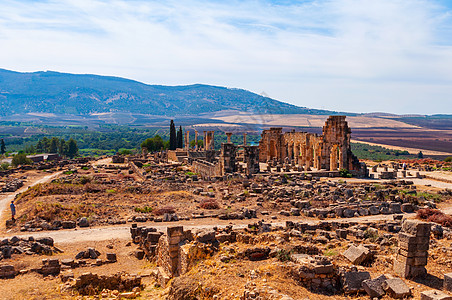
(322, 155)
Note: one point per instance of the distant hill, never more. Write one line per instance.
(62, 93)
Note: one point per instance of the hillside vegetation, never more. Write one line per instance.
(61, 93)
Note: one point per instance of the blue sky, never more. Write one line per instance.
(346, 55)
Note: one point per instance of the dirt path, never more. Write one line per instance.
(103, 161)
(123, 232)
(5, 199)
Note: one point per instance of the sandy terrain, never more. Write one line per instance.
(309, 120)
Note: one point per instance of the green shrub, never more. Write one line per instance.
(284, 255)
(4, 166)
(330, 252)
(21, 159)
(345, 173)
(145, 209)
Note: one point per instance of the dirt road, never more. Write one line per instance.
(5, 199)
(123, 232)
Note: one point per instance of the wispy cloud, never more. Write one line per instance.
(337, 54)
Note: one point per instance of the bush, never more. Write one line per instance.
(436, 216)
(85, 179)
(209, 204)
(124, 151)
(165, 210)
(145, 209)
(4, 166)
(448, 159)
(345, 173)
(21, 159)
(284, 255)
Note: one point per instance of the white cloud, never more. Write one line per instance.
(345, 55)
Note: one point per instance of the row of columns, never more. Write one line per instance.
(209, 139)
(306, 155)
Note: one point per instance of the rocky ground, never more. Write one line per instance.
(274, 236)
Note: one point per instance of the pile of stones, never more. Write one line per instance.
(28, 246)
(39, 224)
(93, 284)
(12, 185)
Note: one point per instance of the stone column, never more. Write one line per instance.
(187, 140)
(212, 141)
(205, 141)
(244, 139)
(196, 140)
(229, 134)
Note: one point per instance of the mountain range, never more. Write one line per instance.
(73, 94)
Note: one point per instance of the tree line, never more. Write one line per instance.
(175, 141)
(55, 145)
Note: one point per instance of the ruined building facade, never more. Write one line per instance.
(330, 151)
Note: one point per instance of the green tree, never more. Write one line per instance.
(21, 159)
(192, 144)
(2, 147)
(45, 144)
(40, 147)
(62, 147)
(30, 149)
(124, 151)
(153, 144)
(173, 137)
(54, 145)
(72, 149)
(420, 155)
(180, 143)
(448, 159)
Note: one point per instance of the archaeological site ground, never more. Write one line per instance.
(294, 216)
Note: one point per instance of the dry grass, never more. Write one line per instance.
(436, 216)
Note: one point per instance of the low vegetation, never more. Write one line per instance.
(436, 216)
(378, 153)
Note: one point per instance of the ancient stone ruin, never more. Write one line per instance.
(414, 240)
(330, 151)
(292, 151)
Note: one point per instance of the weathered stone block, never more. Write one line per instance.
(341, 233)
(357, 255)
(396, 288)
(448, 282)
(111, 257)
(416, 228)
(205, 236)
(401, 268)
(434, 295)
(352, 281)
(407, 208)
(406, 238)
(175, 231)
(373, 287)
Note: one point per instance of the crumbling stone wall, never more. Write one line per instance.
(175, 251)
(251, 158)
(204, 168)
(227, 163)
